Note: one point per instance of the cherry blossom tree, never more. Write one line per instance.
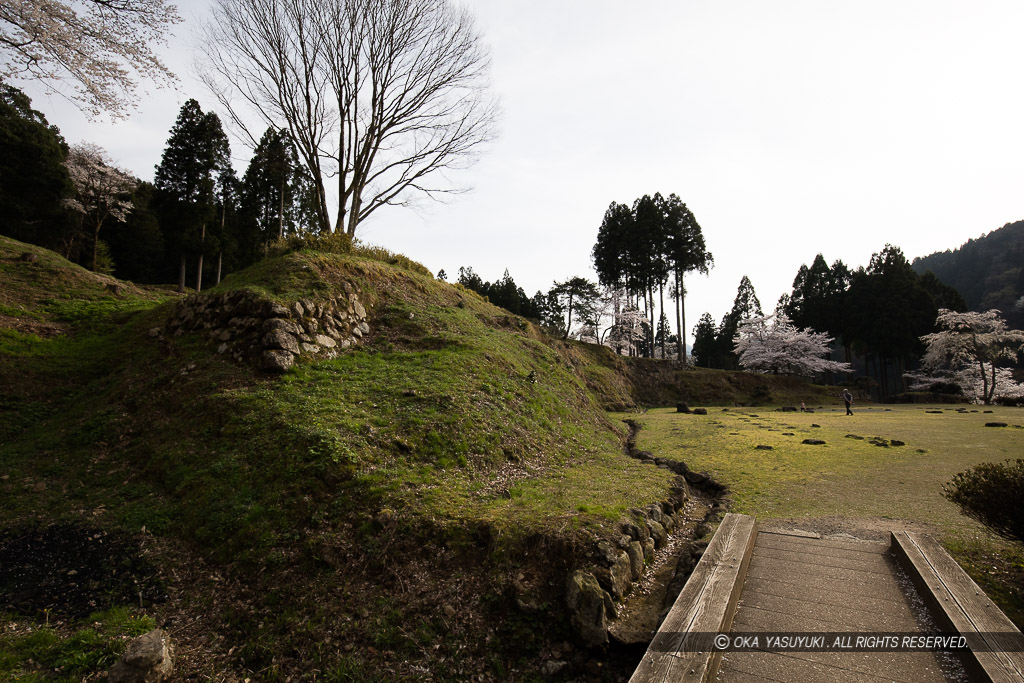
(773, 344)
(102, 190)
(969, 345)
(103, 46)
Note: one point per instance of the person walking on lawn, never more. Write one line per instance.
(848, 399)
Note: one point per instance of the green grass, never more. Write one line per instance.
(65, 652)
(852, 478)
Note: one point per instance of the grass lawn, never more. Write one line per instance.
(851, 479)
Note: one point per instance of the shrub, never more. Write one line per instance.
(990, 493)
(331, 243)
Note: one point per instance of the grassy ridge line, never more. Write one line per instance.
(452, 410)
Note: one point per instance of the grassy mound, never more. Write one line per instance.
(454, 435)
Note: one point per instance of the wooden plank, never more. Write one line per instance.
(855, 584)
(813, 557)
(800, 666)
(768, 540)
(705, 605)
(867, 601)
(959, 604)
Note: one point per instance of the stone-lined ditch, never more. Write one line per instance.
(618, 602)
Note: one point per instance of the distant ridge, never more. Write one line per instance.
(987, 271)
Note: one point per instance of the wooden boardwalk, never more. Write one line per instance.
(801, 584)
(751, 583)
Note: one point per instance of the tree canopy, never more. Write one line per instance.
(102, 46)
(382, 97)
(773, 344)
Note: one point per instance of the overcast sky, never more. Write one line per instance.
(788, 127)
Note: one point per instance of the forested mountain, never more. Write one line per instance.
(988, 271)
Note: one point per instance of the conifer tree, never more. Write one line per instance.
(191, 175)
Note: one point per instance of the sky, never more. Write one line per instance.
(789, 128)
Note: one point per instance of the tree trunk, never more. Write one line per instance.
(568, 326)
(199, 273)
(661, 316)
(680, 334)
(280, 215)
(95, 245)
(220, 261)
(181, 275)
(984, 381)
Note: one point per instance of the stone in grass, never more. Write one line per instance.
(700, 411)
(813, 442)
(896, 442)
(814, 424)
(854, 436)
(682, 408)
(277, 360)
(935, 412)
(148, 659)
(788, 434)
(996, 424)
(763, 447)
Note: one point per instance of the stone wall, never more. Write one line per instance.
(267, 334)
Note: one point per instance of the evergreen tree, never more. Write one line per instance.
(888, 312)
(705, 347)
(191, 174)
(137, 245)
(745, 305)
(33, 179)
(685, 251)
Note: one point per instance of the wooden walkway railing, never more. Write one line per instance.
(751, 581)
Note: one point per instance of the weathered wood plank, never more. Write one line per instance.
(812, 556)
(705, 605)
(959, 604)
(770, 540)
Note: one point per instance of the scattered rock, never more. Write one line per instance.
(148, 659)
(788, 434)
(938, 412)
(700, 411)
(996, 424)
(854, 436)
(28, 257)
(763, 447)
(682, 408)
(813, 424)
(554, 667)
(786, 409)
(896, 442)
(813, 442)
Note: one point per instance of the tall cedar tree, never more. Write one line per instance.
(638, 248)
(276, 196)
(195, 161)
(745, 305)
(705, 335)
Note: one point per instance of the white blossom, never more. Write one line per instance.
(772, 344)
(969, 345)
(102, 45)
(102, 190)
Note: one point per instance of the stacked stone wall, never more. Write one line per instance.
(267, 334)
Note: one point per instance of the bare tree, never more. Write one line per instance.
(103, 190)
(103, 45)
(381, 96)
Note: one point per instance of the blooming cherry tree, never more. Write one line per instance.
(102, 189)
(969, 345)
(102, 46)
(773, 344)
